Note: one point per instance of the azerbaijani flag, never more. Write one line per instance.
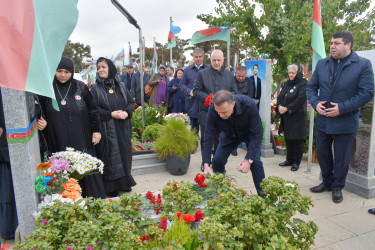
(33, 37)
(174, 30)
(130, 55)
(317, 39)
(155, 60)
(120, 56)
(215, 33)
(143, 49)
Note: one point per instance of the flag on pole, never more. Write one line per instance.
(120, 56)
(215, 33)
(174, 30)
(33, 37)
(317, 39)
(235, 62)
(130, 55)
(143, 49)
(155, 60)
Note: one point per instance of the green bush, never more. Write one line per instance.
(152, 115)
(175, 138)
(151, 132)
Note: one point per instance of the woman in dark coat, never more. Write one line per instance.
(291, 106)
(178, 97)
(76, 125)
(116, 106)
(159, 96)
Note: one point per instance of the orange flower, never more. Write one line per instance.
(72, 180)
(44, 166)
(73, 195)
(49, 174)
(72, 187)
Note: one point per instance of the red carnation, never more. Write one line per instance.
(208, 100)
(149, 195)
(152, 200)
(188, 218)
(144, 238)
(163, 223)
(198, 215)
(178, 215)
(199, 179)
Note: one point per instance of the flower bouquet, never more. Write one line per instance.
(178, 116)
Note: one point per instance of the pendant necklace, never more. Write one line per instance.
(110, 90)
(63, 102)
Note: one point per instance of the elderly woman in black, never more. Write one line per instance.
(76, 125)
(116, 106)
(291, 106)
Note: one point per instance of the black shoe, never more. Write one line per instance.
(202, 167)
(295, 167)
(234, 153)
(337, 196)
(113, 194)
(285, 164)
(321, 188)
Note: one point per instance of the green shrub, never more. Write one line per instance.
(151, 132)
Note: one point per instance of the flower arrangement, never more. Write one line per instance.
(219, 216)
(209, 100)
(178, 116)
(142, 146)
(152, 115)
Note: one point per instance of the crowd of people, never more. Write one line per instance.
(98, 121)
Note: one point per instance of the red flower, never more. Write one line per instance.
(273, 108)
(188, 218)
(208, 100)
(140, 147)
(144, 238)
(152, 200)
(157, 210)
(163, 223)
(199, 179)
(136, 106)
(178, 215)
(198, 215)
(110, 200)
(149, 195)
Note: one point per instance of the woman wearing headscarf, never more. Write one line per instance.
(116, 106)
(159, 96)
(76, 125)
(178, 97)
(291, 106)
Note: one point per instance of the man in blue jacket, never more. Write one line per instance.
(236, 119)
(186, 86)
(340, 85)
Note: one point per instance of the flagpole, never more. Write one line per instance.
(170, 50)
(228, 56)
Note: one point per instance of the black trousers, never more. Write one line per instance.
(334, 164)
(194, 124)
(294, 150)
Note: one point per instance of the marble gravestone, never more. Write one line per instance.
(361, 179)
(265, 74)
(22, 134)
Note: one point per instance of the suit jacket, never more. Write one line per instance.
(258, 92)
(352, 88)
(136, 86)
(244, 125)
(211, 81)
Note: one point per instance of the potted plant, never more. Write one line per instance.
(175, 144)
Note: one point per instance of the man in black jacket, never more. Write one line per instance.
(237, 120)
(209, 81)
(257, 85)
(136, 86)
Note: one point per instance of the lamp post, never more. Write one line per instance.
(134, 22)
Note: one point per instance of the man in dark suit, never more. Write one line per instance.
(339, 86)
(210, 80)
(257, 85)
(136, 86)
(237, 120)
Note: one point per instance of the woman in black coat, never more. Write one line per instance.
(291, 107)
(76, 125)
(116, 106)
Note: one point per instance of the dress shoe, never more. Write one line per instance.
(295, 167)
(337, 196)
(321, 188)
(285, 164)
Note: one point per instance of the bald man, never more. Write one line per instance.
(210, 80)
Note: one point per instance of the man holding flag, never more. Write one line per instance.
(339, 86)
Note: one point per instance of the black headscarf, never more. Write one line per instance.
(67, 64)
(112, 72)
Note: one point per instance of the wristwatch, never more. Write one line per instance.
(250, 161)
